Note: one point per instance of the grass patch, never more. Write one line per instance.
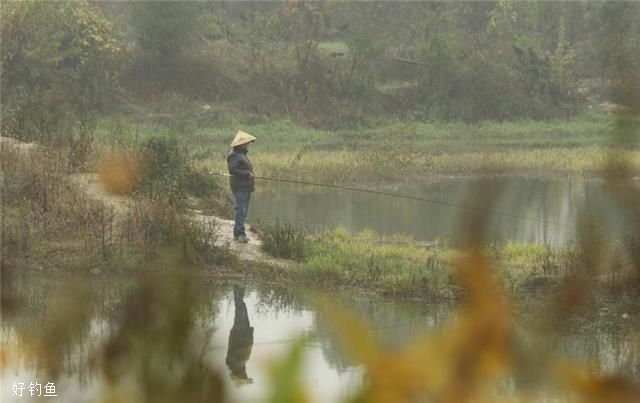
(283, 240)
(399, 266)
(390, 152)
(396, 167)
(393, 265)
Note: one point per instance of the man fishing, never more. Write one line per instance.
(241, 181)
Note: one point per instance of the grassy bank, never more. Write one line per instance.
(394, 152)
(396, 167)
(399, 266)
(388, 152)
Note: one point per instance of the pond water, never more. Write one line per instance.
(244, 329)
(550, 207)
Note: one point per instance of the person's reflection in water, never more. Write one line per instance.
(240, 340)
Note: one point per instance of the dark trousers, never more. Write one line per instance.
(242, 208)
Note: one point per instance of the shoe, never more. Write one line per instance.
(242, 239)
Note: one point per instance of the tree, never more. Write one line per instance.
(164, 29)
(58, 68)
(167, 35)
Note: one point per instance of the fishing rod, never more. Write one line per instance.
(396, 195)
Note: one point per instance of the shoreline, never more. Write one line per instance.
(604, 314)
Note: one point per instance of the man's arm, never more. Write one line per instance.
(233, 163)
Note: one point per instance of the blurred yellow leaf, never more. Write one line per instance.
(285, 378)
(119, 173)
(472, 350)
(596, 388)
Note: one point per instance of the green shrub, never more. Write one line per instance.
(283, 240)
(199, 243)
(166, 170)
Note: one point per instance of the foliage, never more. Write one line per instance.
(55, 220)
(403, 151)
(392, 265)
(165, 169)
(403, 267)
(286, 382)
(150, 341)
(331, 65)
(166, 57)
(58, 68)
(470, 356)
(468, 61)
(119, 173)
(164, 30)
(281, 239)
(159, 349)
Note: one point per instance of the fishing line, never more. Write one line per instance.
(399, 196)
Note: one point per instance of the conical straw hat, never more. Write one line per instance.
(242, 138)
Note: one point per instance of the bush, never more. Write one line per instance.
(166, 169)
(119, 173)
(283, 240)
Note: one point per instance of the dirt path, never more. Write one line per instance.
(251, 251)
(91, 186)
(18, 145)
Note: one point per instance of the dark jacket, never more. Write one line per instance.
(240, 167)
